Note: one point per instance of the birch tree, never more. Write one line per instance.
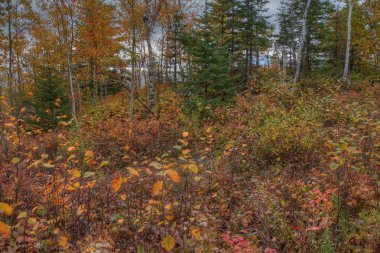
(149, 19)
(66, 10)
(302, 42)
(346, 80)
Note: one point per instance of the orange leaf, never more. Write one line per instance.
(4, 229)
(169, 217)
(70, 149)
(6, 209)
(157, 187)
(89, 154)
(81, 210)
(116, 184)
(313, 229)
(63, 241)
(173, 175)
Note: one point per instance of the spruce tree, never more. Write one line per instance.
(50, 102)
(210, 79)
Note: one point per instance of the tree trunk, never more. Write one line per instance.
(346, 79)
(4, 139)
(133, 72)
(175, 52)
(302, 42)
(10, 52)
(149, 27)
(284, 64)
(69, 64)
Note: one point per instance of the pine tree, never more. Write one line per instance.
(254, 33)
(210, 78)
(50, 102)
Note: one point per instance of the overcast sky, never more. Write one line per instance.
(273, 6)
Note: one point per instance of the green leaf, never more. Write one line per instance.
(32, 221)
(88, 174)
(103, 164)
(177, 147)
(22, 215)
(156, 165)
(334, 166)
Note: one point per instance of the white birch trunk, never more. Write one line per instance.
(346, 80)
(302, 42)
(149, 26)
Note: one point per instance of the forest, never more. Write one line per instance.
(247, 126)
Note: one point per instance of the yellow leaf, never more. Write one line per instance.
(196, 233)
(133, 171)
(193, 168)
(116, 184)
(75, 173)
(126, 148)
(185, 134)
(15, 160)
(4, 229)
(157, 187)
(197, 178)
(173, 175)
(168, 243)
(48, 165)
(185, 151)
(209, 130)
(6, 209)
(70, 157)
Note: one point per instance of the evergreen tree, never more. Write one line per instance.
(314, 53)
(50, 102)
(254, 33)
(210, 79)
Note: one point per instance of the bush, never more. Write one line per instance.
(287, 139)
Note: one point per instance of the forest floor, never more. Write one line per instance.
(276, 172)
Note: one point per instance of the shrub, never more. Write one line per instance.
(288, 140)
